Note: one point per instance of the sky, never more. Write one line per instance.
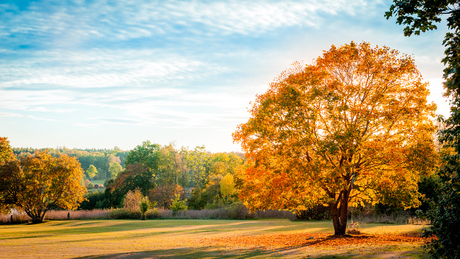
(100, 74)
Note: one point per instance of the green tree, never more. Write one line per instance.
(134, 176)
(92, 171)
(227, 186)
(145, 154)
(36, 183)
(171, 167)
(421, 16)
(444, 213)
(114, 169)
(199, 164)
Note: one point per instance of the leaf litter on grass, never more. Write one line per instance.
(282, 241)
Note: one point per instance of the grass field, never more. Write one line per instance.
(276, 238)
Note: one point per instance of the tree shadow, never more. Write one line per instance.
(201, 252)
(259, 252)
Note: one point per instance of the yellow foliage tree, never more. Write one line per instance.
(354, 126)
(35, 183)
(227, 186)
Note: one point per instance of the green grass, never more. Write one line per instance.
(173, 239)
(99, 181)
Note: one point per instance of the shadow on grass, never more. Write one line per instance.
(213, 252)
(202, 252)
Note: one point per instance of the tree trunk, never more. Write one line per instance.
(36, 216)
(339, 211)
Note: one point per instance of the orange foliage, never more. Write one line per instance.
(354, 126)
(36, 183)
(315, 240)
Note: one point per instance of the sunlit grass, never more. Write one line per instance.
(164, 238)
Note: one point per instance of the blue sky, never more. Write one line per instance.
(99, 74)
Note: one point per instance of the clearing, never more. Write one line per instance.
(267, 238)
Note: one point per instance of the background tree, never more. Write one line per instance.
(355, 126)
(114, 169)
(36, 183)
(134, 176)
(145, 154)
(227, 186)
(92, 171)
(6, 153)
(421, 16)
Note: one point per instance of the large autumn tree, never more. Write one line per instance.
(354, 126)
(36, 183)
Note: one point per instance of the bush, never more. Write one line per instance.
(90, 186)
(126, 214)
(237, 211)
(318, 212)
(132, 200)
(144, 206)
(277, 214)
(162, 194)
(198, 200)
(444, 213)
(103, 204)
(86, 183)
(94, 200)
(178, 205)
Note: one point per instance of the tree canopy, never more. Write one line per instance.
(354, 126)
(421, 16)
(36, 183)
(92, 171)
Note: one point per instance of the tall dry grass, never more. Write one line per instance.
(233, 212)
(236, 212)
(402, 217)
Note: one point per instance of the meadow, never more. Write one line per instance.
(186, 238)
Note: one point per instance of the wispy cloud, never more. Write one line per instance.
(39, 118)
(101, 68)
(9, 114)
(74, 21)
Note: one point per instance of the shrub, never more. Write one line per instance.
(86, 183)
(444, 214)
(162, 194)
(94, 200)
(178, 205)
(124, 214)
(103, 204)
(133, 200)
(90, 186)
(198, 200)
(318, 212)
(144, 206)
(278, 214)
(237, 211)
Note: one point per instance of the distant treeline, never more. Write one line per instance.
(100, 158)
